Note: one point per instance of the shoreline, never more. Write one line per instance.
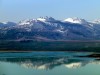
(42, 51)
(62, 41)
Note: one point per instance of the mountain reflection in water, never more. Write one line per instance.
(49, 60)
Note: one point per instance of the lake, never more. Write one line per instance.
(49, 63)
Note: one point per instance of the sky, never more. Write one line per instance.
(16, 10)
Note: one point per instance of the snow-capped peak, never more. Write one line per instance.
(97, 21)
(26, 22)
(75, 20)
(30, 21)
(41, 19)
(45, 19)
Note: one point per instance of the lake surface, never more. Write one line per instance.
(49, 63)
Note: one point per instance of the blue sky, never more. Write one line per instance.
(16, 10)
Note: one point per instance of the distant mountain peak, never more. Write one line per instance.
(25, 22)
(41, 19)
(75, 20)
(96, 21)
(44, 19)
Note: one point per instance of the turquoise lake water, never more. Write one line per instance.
(48, 63)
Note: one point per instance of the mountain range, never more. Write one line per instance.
(48, 28)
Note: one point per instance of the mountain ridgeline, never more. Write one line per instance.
(49, 29)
